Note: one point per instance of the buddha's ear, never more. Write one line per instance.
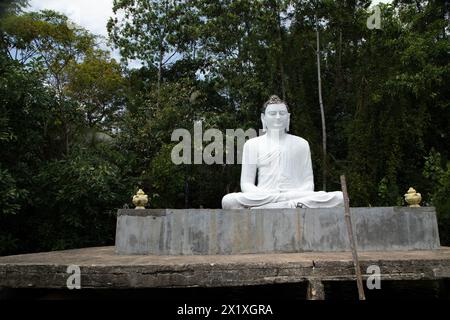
(263, 121)
(288, 122)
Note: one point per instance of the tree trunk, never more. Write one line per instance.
(160, 64)
(64, 120)
(322, 112)
(280, 58)
(340, 52)
(279, 39)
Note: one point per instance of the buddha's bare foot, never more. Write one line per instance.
(301, 205)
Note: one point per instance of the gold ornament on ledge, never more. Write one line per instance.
(413, 198)
(140, 199)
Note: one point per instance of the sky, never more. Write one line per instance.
(93, 15)
(90, 14)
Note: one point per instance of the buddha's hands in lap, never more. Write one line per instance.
(286, 195)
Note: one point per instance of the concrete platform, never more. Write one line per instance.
(101, 268)
(215, 231)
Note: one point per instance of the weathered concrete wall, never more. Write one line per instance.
(216, 231)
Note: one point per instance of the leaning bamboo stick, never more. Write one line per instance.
(351, 237)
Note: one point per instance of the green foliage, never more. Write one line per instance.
(167, 180)
(10, 196)
(45, 40)
(53, 196)
(80, 133)
(439, 175)
(80, 195)
(150, 28)
(12, 6)
(98, 87)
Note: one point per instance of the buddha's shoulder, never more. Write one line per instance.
(291, 139)
(298, 140)
(254, 140)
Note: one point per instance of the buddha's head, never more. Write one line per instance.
(275, 115)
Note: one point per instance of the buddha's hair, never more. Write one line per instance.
(274, 99)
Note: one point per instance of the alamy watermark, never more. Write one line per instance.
(374, 280)
(374, 21)
(215, 152)
(74, 280)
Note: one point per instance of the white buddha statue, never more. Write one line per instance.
(276, 168)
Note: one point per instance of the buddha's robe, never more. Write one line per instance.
(284, 177)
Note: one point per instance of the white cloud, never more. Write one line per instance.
(90, 14)
(93, 15)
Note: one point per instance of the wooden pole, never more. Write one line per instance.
(351, 237)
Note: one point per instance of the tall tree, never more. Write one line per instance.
(97, 86)
(151, 31)
(322, 110)
(44, 41)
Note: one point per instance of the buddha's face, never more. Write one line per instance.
(276, 117)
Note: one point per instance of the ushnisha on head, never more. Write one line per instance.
(275, 115)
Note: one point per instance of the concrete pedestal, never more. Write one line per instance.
(216, 231)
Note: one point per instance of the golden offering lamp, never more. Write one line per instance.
(413, 198)
(140, 199)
